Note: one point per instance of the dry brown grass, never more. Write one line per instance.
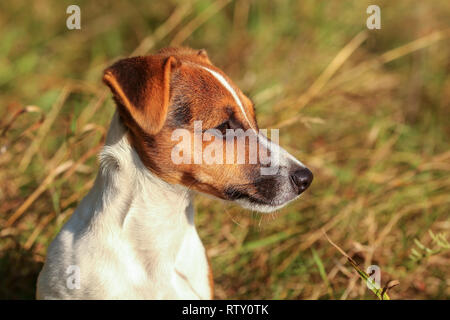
(366, 110)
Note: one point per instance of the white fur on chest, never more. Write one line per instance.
(132, 237)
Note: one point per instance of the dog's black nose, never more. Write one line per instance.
(301, 179)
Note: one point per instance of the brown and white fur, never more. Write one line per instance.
(133, 236)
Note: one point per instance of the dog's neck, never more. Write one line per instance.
(151, 220)
(138, 201)
(132, 236)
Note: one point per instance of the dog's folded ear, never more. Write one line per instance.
(141, 88)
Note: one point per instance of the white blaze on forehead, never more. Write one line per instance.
(281, 155)
(227, 86)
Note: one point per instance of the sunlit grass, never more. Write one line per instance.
(367, 111)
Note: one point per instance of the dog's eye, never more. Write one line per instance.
(223, 127)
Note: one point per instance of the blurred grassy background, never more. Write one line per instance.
(367, 111)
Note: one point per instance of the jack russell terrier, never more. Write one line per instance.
(133, 235)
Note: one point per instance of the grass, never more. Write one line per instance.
(366, 110)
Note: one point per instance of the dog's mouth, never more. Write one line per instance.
(245, 197)
(264, 197)
(234, 194)
(269, 193)
(257, 203)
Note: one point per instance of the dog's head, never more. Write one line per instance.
(191, 125)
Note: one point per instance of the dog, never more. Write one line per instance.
(133, 235)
